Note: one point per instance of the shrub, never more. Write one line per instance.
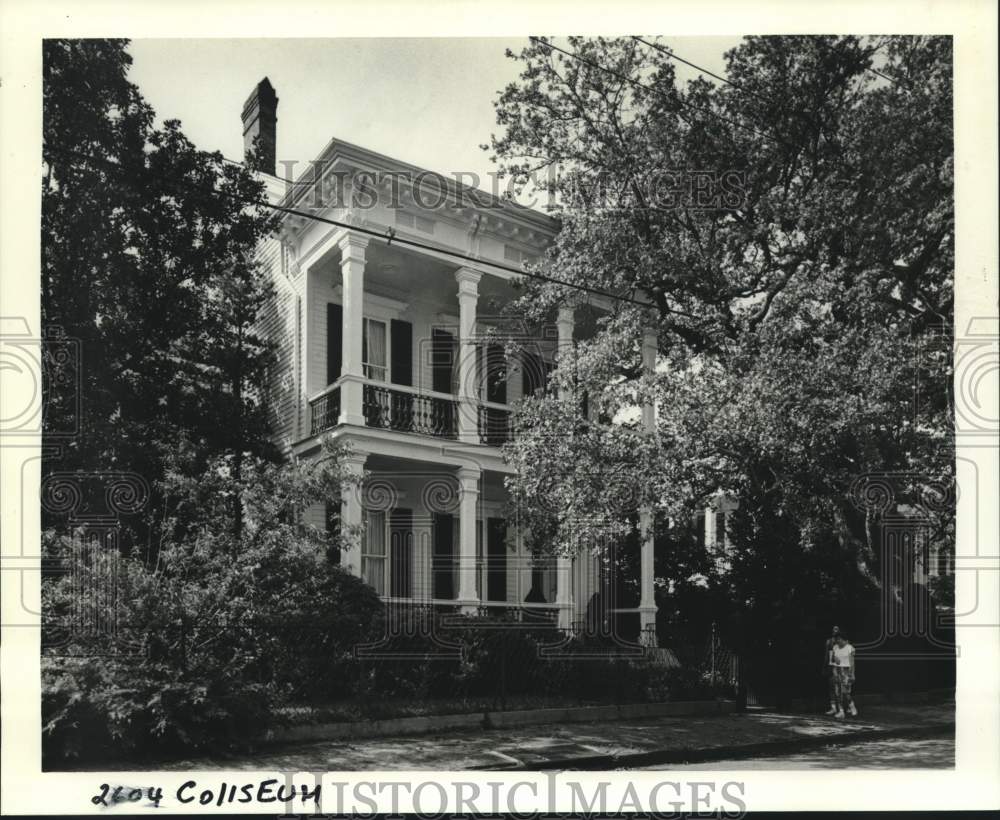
(231, 620)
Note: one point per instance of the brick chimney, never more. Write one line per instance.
(260, 119)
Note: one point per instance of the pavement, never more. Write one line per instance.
(640, 743)
(896, 753)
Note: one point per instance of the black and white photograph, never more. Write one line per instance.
(516, 407)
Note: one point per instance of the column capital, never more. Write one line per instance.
(355, 459)
(468, 281)
(567, 313)
(352, 247)
(468, 477)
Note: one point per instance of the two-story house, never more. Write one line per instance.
(386, 292)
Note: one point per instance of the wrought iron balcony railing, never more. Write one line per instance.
(324, 411)
(406, 412)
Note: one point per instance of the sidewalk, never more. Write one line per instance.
(599, 745)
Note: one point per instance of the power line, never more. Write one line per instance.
(878, 73)
(644, 87)
(390, 236)
(670, 53)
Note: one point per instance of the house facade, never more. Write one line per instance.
(390, 284)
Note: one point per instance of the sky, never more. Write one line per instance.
(426, 101)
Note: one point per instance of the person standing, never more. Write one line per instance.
(842, 663)
(831, 685)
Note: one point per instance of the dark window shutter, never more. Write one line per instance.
(401, 357)
(334, 341)
(401, 553)
(496, 559)
(531, 373)
(442, 360)
(496, 374)
(443, 559)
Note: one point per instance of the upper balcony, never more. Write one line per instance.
(395, 340)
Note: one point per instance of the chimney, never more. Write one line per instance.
(260, 118)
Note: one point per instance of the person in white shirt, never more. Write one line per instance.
(842, 663)
(831, 683)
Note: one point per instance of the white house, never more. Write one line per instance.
(383, 343)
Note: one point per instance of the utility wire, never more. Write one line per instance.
(878, 73)
(390, 236)
(636, 84)
(670, 53)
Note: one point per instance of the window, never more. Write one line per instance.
(373, 550)
(373, 350)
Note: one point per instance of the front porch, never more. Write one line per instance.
(443, 539)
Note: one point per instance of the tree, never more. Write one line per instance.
(224, 627)
(148, 260)
(789, 235)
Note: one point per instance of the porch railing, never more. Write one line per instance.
(324, 411)
(391, 409)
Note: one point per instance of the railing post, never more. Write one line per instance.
(468, 407)
(352, 266)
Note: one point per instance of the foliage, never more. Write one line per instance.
(494, 663)
(148, 262)
(196, 651)
(802, 311)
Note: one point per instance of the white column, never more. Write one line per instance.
(351, 514)
(564, 591)
(352, 266)
(709, 527)
(564, 564)
(649, 345)
(564, 327)
(647, 600)
(468, 400)
(468, 480)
